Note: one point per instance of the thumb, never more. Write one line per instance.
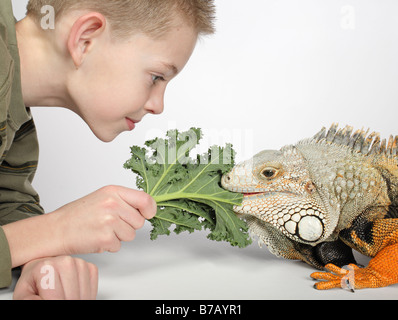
(25, 291)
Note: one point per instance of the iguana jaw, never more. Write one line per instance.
(294, 215)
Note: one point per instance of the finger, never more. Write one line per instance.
(83, 279)
(93, 271)
(86, 285)
(117, 230)
(139, 200)
(49, 284)
(25, 290)
(69, 270)
(125, 231)
(132, 217)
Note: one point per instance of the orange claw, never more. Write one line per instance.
(336, 277)
(382, 271)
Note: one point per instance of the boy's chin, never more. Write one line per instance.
(106, 137)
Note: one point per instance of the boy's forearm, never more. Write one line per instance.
(96, 223)
(33, 238)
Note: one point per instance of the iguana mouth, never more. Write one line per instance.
(267, 193)
(253, 193)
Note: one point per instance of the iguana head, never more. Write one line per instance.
(314, 189)
(278, 190)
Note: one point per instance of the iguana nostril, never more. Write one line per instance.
(226, 179)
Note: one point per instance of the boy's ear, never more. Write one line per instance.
(82, 34)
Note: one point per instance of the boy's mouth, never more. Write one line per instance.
(131, 123)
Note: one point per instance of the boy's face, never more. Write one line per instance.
(119, 82)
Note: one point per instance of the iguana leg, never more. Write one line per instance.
(377, 239)
(335, 252)
(382, 271)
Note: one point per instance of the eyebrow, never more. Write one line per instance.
(171, 67)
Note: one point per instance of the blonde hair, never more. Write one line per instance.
(152, 17)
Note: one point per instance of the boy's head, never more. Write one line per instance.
(151, 17)
(115, 57)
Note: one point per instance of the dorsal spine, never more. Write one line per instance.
(359, 141)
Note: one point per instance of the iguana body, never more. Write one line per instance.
(320, 198)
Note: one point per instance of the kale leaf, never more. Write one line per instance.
(187, 190)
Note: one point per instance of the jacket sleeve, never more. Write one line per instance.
(19, 149)
(18, 199)
(5, 261)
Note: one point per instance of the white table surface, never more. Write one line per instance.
(191, 267)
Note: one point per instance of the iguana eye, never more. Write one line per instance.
(269, 173)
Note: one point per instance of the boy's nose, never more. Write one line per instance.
(155, 104)
(155, 107)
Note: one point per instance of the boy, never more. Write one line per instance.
(109, 62)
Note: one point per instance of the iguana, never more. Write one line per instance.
(317, 200)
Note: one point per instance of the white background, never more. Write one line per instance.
(275, 72)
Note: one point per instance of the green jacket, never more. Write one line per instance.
(19, 149)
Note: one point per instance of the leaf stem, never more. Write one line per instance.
(196, 196)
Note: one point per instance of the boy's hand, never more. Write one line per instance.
(96, 223)
(60, 278)
(102, 220)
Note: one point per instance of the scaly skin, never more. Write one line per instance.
(318, 199)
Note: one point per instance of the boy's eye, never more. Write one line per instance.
(156, 79)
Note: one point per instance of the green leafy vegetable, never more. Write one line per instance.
(188, 190)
